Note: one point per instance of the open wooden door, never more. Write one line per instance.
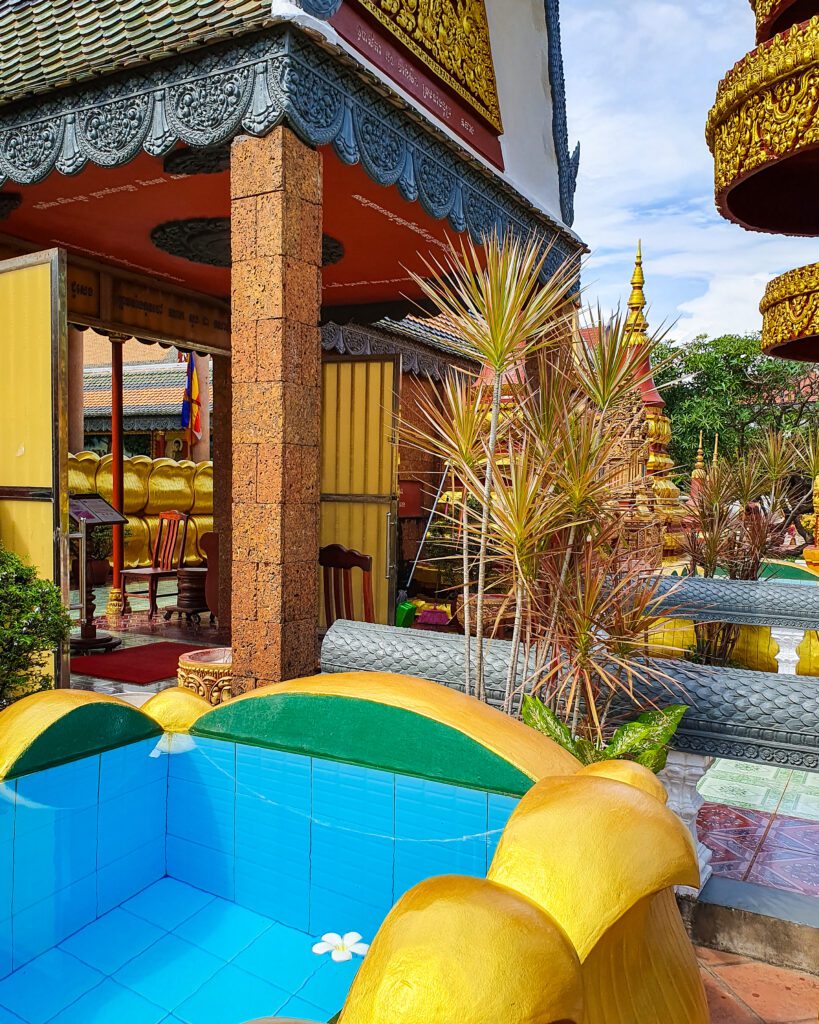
(359, 467)
(33, 417)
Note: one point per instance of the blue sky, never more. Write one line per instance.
(641, 76)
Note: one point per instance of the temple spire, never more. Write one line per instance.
(636, 323)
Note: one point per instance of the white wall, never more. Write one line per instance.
(517, 30)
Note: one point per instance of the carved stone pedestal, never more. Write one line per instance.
(680, 777)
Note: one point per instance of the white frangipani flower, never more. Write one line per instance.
(341, 947)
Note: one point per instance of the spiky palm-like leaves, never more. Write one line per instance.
(544, 486)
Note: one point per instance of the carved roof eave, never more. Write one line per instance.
(248, 86)
(419, 359)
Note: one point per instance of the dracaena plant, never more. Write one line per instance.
(537, 437)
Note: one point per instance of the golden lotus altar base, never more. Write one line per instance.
(208, 672)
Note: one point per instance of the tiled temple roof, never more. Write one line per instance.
(48, 44)
(147, 389)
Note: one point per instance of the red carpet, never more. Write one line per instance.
(147, 663)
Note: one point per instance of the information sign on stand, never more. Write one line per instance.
(89, 511)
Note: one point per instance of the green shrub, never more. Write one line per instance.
(33, 622)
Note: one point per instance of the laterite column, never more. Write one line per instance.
(276, 419)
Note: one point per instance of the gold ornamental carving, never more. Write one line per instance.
(790, 307)
(213, 681)
(452, 38)
(767, 107)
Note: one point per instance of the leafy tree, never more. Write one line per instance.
(727, 386)
(33, 622)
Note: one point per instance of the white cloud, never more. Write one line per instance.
(641, 77)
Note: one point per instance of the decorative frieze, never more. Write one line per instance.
(790, 307)
(249, 86)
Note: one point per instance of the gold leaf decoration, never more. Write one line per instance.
(790, 307)
(452, 38)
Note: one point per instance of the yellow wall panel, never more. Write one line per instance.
(358, 480)
(27, 528)
(26, 418)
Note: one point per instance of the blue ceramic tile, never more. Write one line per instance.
(38, 928)
(47, 860)
(202, 814)
(329, 986)
(126, 769)
(109, 1003)
(47, 796)
(440, 829)
(223, 929)
(46, 985)
(126, 824)
(8, 796)
(209, 763)
(263, 888)
(169, 972)
(273, 807)
(282, 956)
(5, 947)
(111, 941)
(355, 797)
(167, 903)
(232, 995)
(124, 878)
(6, 879)
(333, 912)
(201, 866)
(354, 863)
(500, 810)
(301, 1010)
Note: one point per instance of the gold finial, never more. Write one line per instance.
(698, 473)
(716, 449)
(636, 323)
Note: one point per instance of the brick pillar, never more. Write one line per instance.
(276, 421)
(223, 486)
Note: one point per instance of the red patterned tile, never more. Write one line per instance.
(734, 835)
(797, 834)
(720, 817)
(786, 869)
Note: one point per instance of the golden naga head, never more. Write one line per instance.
(458, 950)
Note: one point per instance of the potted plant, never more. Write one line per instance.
(100, 545)
(33, 622)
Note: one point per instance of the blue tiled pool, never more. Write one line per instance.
(138, 886)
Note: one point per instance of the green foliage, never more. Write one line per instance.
(727, 386)
(645, 740)
(100, 542)
(33, 622)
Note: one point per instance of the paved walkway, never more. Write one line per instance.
(742, 991)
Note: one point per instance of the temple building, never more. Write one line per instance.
(254, 183)
(762, 132)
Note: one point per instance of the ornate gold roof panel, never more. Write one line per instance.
(451, 37)
(790, 315)
(763, 131)
(773, 16)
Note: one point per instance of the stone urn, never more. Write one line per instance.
(208, 672)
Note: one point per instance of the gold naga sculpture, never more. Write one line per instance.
(576, 922)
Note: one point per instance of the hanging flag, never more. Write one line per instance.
(191, 415)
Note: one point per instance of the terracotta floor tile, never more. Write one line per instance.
(723, 1007)
(778, 996)
(719, 817)
(712, 957)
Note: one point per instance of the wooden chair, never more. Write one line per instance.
(209, 543)
(338, 563)
(162, 558)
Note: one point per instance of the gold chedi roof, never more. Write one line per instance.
(636, 323)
